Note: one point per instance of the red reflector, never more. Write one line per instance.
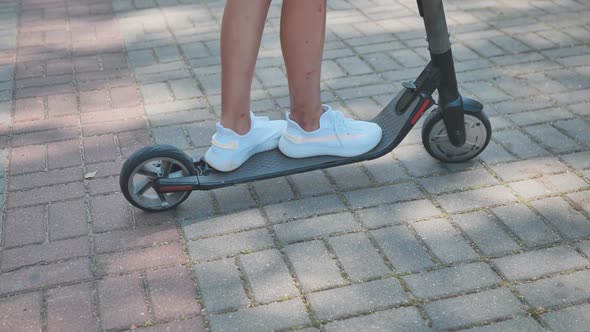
(420, 111)
(175, 188)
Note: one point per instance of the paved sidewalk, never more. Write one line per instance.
(403, 242)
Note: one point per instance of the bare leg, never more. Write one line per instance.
(241, 33)
(303, 28)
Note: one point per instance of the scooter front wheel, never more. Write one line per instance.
(435, 139)
(148, 164)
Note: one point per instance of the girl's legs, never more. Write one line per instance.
(239, 136)
(303, 28)
(241, 33)
(313, 129)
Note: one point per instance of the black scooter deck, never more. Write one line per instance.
(395, 124)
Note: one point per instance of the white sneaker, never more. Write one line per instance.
(337, 136)
(230, 150)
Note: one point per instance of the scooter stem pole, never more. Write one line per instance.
(450, 101)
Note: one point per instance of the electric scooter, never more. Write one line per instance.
(160, 177)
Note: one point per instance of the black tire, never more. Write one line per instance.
(148, 153)
(473, 122)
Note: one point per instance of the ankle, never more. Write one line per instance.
(240, 124)
(239, 127)
(308, 121)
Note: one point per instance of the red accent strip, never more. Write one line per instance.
(420, 111)
(175, 188)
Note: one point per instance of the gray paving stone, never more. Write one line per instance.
(5, 111)
(585, 247)
(235, 222)
(380, 61)
(500, 122)
(385, 169)
(164, 109)
(171, 135)
(352, 81)
(155, 93)
(486, 91)
(210, 83)
(582, 109)
(581, 198)
(576, 129)
(548, 185)
(273, 190)
(398, 213)
(579, 160)
(185, 89)
(314, 267)
(359, 258)
(201, 133)
(220, 285)
(268, 276)
(349, 176)
(401, 247)
(364, 91)
(312, 183)
(522, 105)
(515, 87)
(383, 195)
(271, 317)
(495, 153)
(234, 198)
(271, 76)
(6, 73)
(528, 168)
(408, 58)
(458, 181)
(226, 245)
(539, 262)
(540, 116)
(167, 53)
(331, 70)
(519, 144)
(552, 138)
(363, 108)
(569, 78)
(141, 58)
(354, 65)
(513, 325)
(417, 161)
(444, 241)
(194, 50)
(413, 137)
(561, 289)
(572, 97)
(525, 224)
(575, 318)
(357, 298)
(198, 205)
(542, 81)
(404, 319)
(485, 232)
(304, 208)
(474, 199)
(571, 223)
(298, 230)
(473, 308)
(451, 280)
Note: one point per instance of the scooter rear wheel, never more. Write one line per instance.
(148, 164)
(435, 139)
